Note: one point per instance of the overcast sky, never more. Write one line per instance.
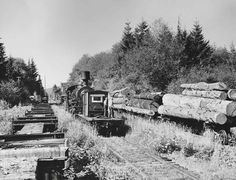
(56, 33)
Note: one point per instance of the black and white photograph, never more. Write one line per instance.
(117, 90)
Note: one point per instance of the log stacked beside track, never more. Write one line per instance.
(200, 101)
(35, 140)
(144, 103)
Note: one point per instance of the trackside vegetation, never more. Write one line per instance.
(89, 157)
(154, 57)
(18, 80)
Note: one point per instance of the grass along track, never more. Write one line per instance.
(201, 154)
(144, 163)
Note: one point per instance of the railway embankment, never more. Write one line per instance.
(91, 156)
(96, 157)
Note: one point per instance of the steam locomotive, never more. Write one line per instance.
(90, 105)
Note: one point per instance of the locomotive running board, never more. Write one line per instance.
(100, 119)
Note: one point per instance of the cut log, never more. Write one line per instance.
(198, 114)
(119, 100)
(149, 96)
(223, 106)
(232, 94)
(233, 131)
(125, 92)
(116, 92)
(134, 109)
(208, 94)
(205, 86)
(144, 104)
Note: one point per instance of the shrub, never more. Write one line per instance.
(82, 163)
(222, 73)
(167, 146)
(6, 117)
(189, 150)
(3, 105)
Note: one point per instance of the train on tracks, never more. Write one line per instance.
(91, 106)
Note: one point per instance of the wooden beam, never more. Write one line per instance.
(35, 121)
(42, 142)
(32, 128)
(42, 152)
(21, 137)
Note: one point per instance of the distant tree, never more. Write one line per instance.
(31, 77)
(220, 56)
(10, 92)
(82, 65)
(232, 56)
(2, 62)
(40, 90)
(54, 88)
(117, 61)
(181, 39)
(197, 49)
(56, 91)
(16, 69)
(32, 70)
(141, 34)
(128, 40)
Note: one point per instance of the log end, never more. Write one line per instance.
(232, 94)
(220, 118)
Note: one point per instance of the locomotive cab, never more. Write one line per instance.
(93, 103)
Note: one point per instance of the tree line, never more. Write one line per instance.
(156, 58)
(18, 80)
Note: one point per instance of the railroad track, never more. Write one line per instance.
(35, 150)
(145, 164)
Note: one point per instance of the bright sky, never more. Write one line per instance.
(56, 33)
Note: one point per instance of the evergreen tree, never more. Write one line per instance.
(181, 40)
(232, 56)
(197, 49)
(31, 77)
(181, 35)
(32, 73)
(128, 40)
(141, 34)
(15, 69)
(2, 62)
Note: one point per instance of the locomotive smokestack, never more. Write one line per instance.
(85, 76)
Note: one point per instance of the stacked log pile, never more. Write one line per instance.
(145, 103)
(201, 101)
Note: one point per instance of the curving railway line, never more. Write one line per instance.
(145, 164)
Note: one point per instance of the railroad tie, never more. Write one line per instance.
(32, 128)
